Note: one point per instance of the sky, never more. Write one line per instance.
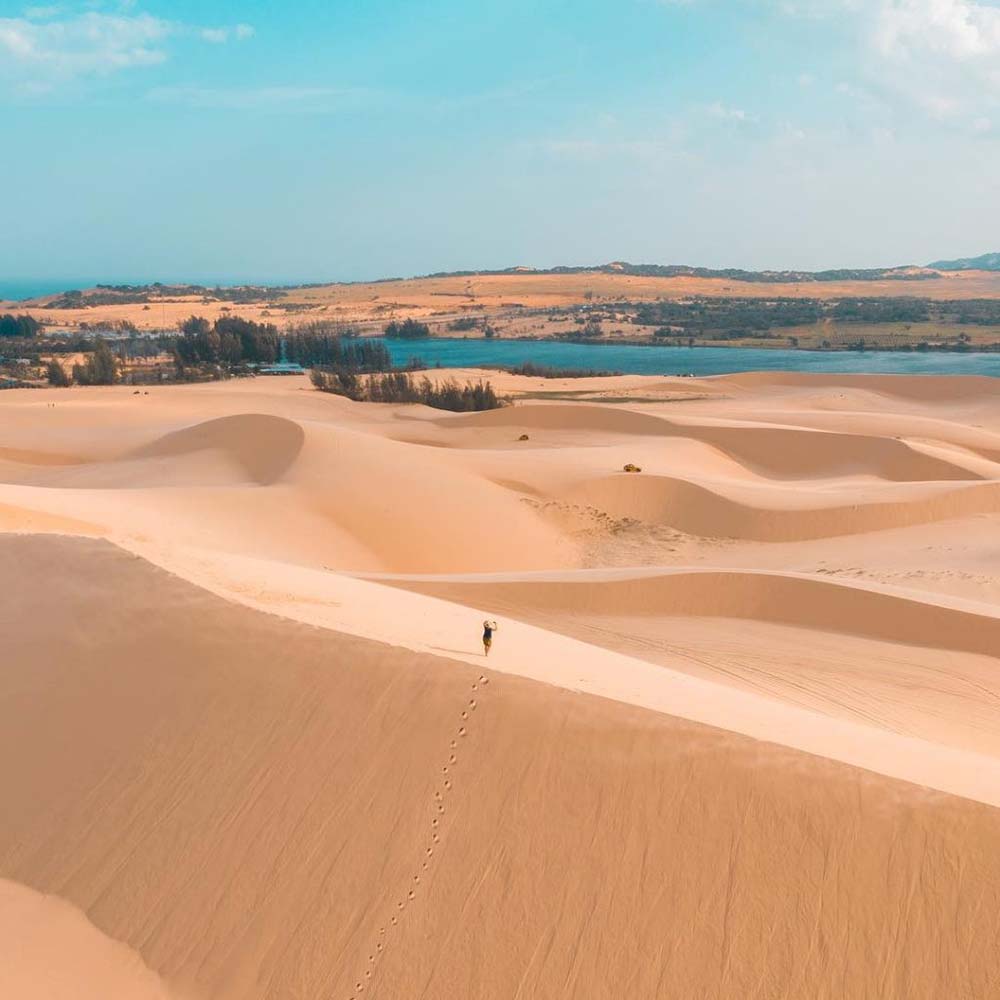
(319, 140)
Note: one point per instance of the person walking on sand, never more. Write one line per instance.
(488, 629)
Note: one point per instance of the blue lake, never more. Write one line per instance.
(657, 360)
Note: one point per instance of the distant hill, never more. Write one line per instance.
(985, 262)
(907, 273)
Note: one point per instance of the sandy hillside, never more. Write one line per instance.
(739, 735)
(499, 294)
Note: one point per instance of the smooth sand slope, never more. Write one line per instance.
(739, 735)
(249, 803)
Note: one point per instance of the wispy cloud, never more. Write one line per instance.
(219, 36)
(85, 43)
(47, 45)
(724, 112)
(296, 98)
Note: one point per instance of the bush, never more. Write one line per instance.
(409, 329)
(101, 368)
(56, 375)
(532, 370)
(18, 326)
(401, 387)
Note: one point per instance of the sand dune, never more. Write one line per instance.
(922, 388)
(699, 510)
(740, 734)
(265, 446)
(49, 951)
(777, 452)
(801, 601)
(248, 803)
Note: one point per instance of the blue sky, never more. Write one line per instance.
(349, 139)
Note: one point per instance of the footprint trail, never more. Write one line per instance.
(409, 895)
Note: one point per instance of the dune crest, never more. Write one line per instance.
(264, 445)
(700, 510)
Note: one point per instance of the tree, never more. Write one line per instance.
(101, 368)
(18, 326)
(56, 375)
(409, 329)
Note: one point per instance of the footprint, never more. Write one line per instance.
(435, 838)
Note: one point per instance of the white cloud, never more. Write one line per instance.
(957, 29)
(219, 36)
(85, 43)
(726, 113)
(940, 55)
(48, 44)
(216, 35)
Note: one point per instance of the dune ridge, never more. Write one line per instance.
(264, 445)
(787, 599)
(778, 452)
(699, 510)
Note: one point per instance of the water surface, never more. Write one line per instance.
(662, 360)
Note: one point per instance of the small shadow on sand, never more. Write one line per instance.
(460, 652)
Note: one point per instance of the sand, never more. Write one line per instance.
(739, 735)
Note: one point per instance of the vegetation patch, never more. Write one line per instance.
(402, 387)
